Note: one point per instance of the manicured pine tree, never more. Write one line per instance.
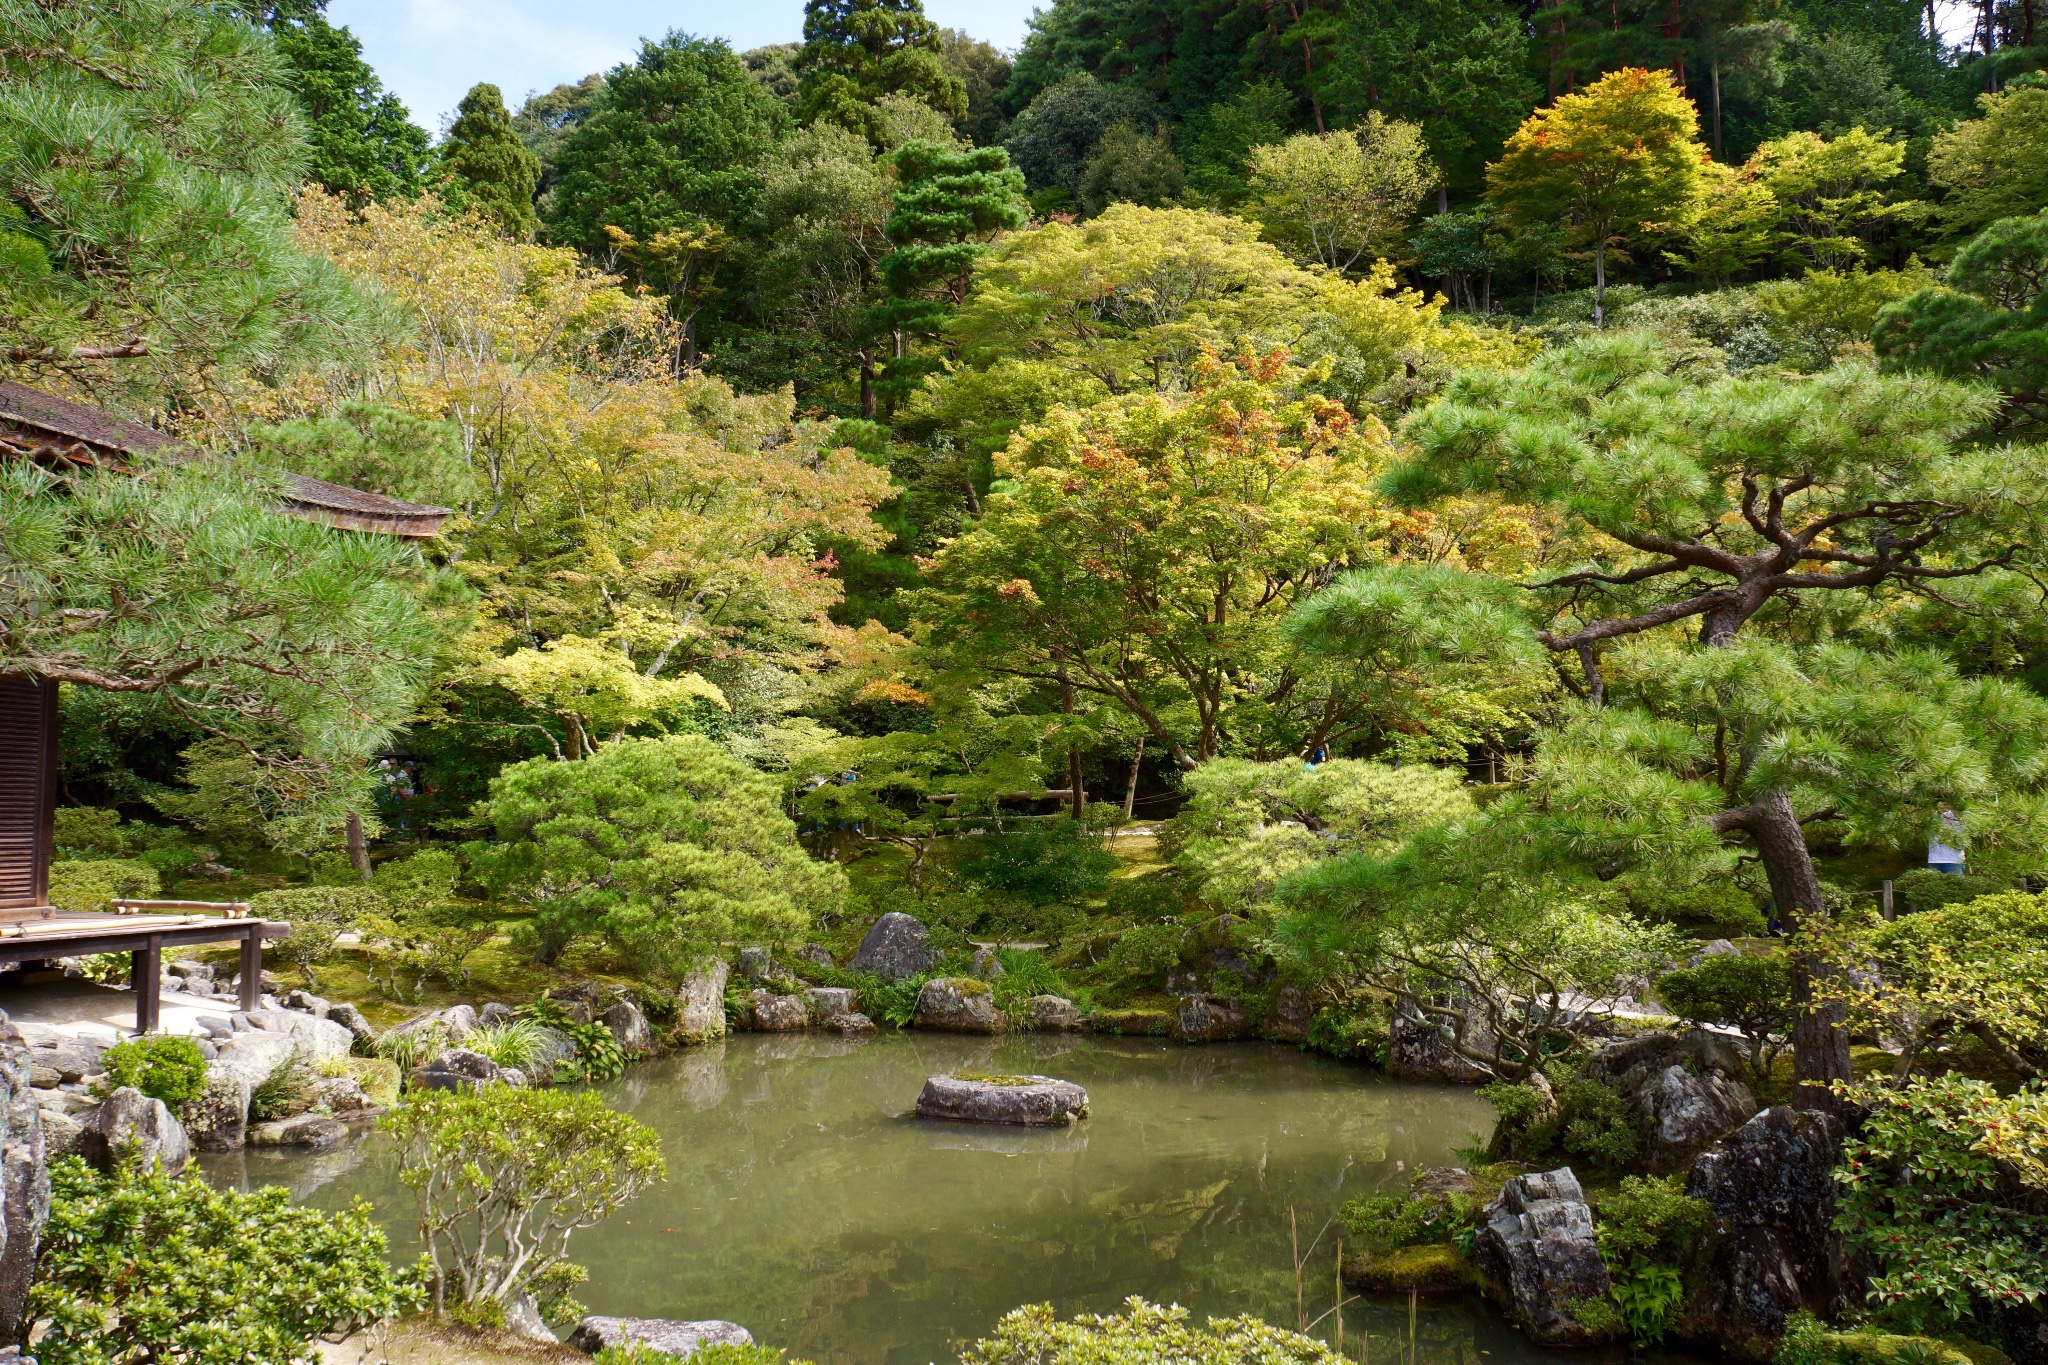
(488, 165)
(948, 205)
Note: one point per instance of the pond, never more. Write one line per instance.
(804, 1202)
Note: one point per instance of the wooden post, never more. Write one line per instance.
(149, 973)
(1887, 901)
(252, 966)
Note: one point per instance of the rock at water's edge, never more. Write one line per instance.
(700, 1002)
(894, 949)
(680, 1339)
(1210, 1019)
(957, 1004)
(1027, 1101)
(780, 1013)
(1288, 1020)
(217, 1118)
(628, 1027)
(24, 1180)
(1772, 1189)
(1536, 1253)
(1416, 1051)
(1054, 1014)
(130, 1123)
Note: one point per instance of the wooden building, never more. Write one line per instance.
(55, 432)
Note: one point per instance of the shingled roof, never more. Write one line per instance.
(41, 425)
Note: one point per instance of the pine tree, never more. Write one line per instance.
(365, 144)
(146, 151)
(856, 51)
(948, 205)
(488, 165)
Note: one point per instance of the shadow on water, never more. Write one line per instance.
(805, 1202)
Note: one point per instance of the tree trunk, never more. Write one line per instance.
(867, 384)
(1820, 1043)
(358, 847)
(1075, 797)
(1600, 279)
(1131, 791)
(1715, 79)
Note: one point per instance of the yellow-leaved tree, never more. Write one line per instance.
(625, 519)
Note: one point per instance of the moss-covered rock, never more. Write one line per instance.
(1439, 1268)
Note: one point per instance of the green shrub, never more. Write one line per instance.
(1145, 1334)
(1925, 889)
(1027, 974)
(1525, 1120)
(284, 1092)
(162, 1067)
(598, 1055)
(514, 1043)
(1721, 905)
(1388, 1222)
(1752, 995)
(1596, 1123)
(1145, 953)
(1809, 1341)
(1355, 1030)
(1649, 1216)
(1149, 898)
(84, 829)
(558, 1161)
(92, 885)
(1045, 862)
(888, 1002)
(1940, 1190)
(140, 1265)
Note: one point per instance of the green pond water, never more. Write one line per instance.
(806, 1203)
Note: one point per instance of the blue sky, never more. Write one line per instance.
(431, 51)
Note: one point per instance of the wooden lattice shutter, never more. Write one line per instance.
(28, 789)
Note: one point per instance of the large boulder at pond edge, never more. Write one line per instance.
(1053, 1014)
(894, 949)
(1535, 1251)
(1028, 1101)
(1210, 1019)
(253, 1057)
(131, 1124)
(774, 1013)
(1686, 1089)
(315, 1132)
(217, 1118)
(24, 1180)
(700, 1003)
(457, 1069)
(352, 1019)
(829, 1003)
(679, 1339)
(957, 1004)
(628, 1027)
(1289, 1019)
(319, 1040)
(1772, 1191)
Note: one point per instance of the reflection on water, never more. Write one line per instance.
(804, 1202)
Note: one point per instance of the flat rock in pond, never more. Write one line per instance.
(679, 1339)
(1031, 1101)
